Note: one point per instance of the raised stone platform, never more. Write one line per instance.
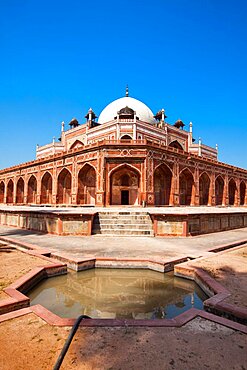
(125, 221)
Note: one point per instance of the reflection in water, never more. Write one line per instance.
(118, 293)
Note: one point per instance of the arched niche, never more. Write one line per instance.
(77, 144)
(20, 191)
(219, 190)
(204, 185)
(86, 185)
(124, 186)
(2, 189)
(176, 144)
(232, 192)
(126, 138)
(32, 190)
(162, 185)
(242, 193)
(10, 192)
(46, 189)
(64, 187)
(186, 187)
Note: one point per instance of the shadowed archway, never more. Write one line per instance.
(2, 189)
(64, 187)
(186, 188)
(242, 193)
(126, 138)
(162, 185)
(219, 191)
(86, 185)
(10, 192)
(204, 185)
(46, 189)
(232, 192)
(20, 191)
(124, 186)
(176, 144)
(32, 190)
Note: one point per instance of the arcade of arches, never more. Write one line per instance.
(125, 185)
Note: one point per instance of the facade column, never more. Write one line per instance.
(74, 182)
(195, 196)
(150, 179)
(225, 200)
(107, 185)
(5, 190)
(25, 188)
(100, 180)
(211, 197)
(174, 197)
(14, 190)
(237, 194)
(54, 184)
(245, 198)
(38, 195)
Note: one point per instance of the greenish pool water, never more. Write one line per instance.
(118, 293)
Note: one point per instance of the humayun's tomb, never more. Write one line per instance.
(129, 157)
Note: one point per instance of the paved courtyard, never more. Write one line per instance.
(161, 248)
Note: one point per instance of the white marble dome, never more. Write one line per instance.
(142, 111)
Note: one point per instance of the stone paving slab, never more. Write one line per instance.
(154, 210)
(160, 248)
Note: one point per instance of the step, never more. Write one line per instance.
(124, 221)
(122, 213)
(124, 226)
(126, 232)
(109, 217)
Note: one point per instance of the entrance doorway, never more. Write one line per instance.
(124, 197)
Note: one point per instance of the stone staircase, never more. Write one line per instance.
(122, 223)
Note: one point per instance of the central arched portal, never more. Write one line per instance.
(124, 183)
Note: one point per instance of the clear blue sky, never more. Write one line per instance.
(59, 58)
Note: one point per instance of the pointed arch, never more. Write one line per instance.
(86, 185)
(20, 191)
(124, 185)
(242, 193)
(46, 188)
(2, 190)
(219, 190)
(32, 190)
(77, 144)
(10, 192)
(232, 192)
(204, 186)
(186, 187)
(162, 185)
(126, 138)
(64, 187)
(176, 144)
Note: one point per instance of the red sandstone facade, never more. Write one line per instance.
(128, 157)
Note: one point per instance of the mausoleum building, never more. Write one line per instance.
(128, 156)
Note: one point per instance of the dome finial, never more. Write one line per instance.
(127, 91)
